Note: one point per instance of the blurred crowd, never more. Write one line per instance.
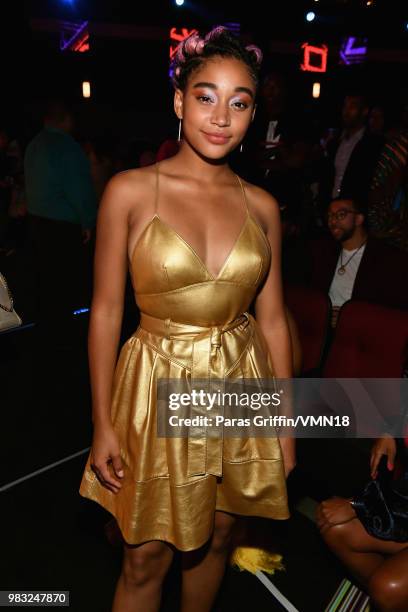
(342, 191)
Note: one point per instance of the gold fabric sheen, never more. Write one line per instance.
(193, 325)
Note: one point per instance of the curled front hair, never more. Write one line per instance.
(193, 52)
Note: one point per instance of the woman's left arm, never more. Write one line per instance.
(271, 315)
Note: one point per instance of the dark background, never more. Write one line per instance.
(131, 94)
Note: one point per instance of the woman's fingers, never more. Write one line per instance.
(108, 478)
(375, 460)
(326, 528)
(117, 465)
(383, 446)
(322, 513)
(378, 451)
(391, 457)
(102, 472)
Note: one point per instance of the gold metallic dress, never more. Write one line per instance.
(193, 325)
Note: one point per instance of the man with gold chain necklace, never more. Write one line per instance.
(357, 265)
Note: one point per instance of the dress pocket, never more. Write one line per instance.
(240, 450)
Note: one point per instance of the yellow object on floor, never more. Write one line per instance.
(255, 559)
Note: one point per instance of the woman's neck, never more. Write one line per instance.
(199, 167)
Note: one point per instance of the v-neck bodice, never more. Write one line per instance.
(171, 280)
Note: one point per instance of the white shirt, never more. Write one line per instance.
(341, 287)
(342, 158)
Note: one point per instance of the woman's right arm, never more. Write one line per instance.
(110, 269)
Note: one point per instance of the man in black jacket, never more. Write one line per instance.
(351, 158)
(356, 265)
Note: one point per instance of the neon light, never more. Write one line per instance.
(312, 55)
(178, 36)
(233, 27)
(80, 311)
(74, 36)
(351, 53)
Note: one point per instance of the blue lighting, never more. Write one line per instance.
(179, 2)
(310, 16)
(80, 311)
(406, 26)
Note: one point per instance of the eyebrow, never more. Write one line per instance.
(340, 209)
(214, 86)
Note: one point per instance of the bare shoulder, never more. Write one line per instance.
(128, 190)
(262, 205)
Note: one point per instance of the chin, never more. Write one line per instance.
(214, 153)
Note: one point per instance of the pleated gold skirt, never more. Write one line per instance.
(172, 486)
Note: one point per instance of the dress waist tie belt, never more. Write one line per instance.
(204, 455)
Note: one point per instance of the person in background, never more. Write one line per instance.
(101, 164)
(377, 121)
(388, 197)
(351, 158)
(379, 565)
(355, 265)
(168, 148)
(61, 205)
(278, 146)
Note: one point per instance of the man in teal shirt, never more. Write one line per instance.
(57, 173)
(61, 204)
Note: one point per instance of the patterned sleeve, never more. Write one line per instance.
(388, 202)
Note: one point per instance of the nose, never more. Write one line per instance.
(221, 116)
(332, 223)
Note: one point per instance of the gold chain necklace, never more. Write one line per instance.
(342, 268)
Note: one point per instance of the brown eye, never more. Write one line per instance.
(204, 99)
(241, 105)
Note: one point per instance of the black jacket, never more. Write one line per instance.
(359, 171)
(382, 276)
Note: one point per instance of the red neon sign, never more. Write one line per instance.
(178, 35)
(82, 44)
(314, 58)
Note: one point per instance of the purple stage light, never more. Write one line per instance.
(74, 36)
(353, 51)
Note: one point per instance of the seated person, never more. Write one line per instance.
(355, 265)
(380, 566)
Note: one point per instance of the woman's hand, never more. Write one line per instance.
(334, 511)
(105, 451)
(289, 454)
(383, 446)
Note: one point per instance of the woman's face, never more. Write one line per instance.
(216, 107)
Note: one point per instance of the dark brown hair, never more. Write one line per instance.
(195, 50)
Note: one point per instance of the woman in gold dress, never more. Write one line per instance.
(200, 244)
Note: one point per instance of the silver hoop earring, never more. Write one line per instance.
(179, 131)
(241, 148)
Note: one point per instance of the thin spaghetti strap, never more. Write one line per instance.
(156, 191)
(244, 194)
